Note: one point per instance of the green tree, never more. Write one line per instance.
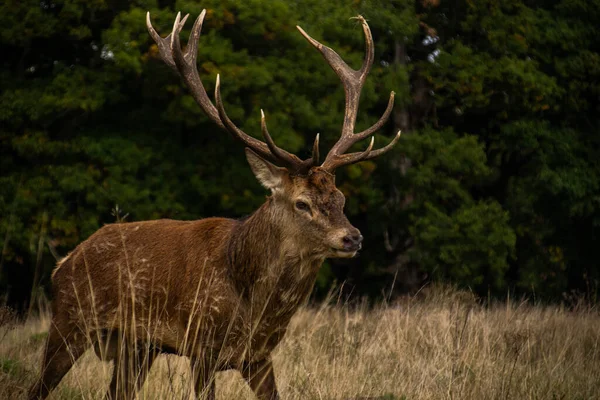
(522, 76)
(494, 184)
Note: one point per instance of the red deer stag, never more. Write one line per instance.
(220, 291)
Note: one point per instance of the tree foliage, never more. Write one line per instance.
(494, 185)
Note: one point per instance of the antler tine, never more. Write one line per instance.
(315, 151)
(377, 125)
(259, 147)
(194, 39)
(353, 81)
(385, 149)
(288, 160)
(184, 63)
(178, 56)
(352, 158)
(164, 45)
(338, 160)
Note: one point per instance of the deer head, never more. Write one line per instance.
(303, 192)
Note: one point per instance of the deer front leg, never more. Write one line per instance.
(131, 367)
(204, 377)
(65, 344)
(261, 379)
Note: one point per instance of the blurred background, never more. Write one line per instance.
(494, 185)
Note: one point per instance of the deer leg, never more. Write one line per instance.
(261, 379)
(131, 367)
(64, 346)
(105, 345)
(204, 378)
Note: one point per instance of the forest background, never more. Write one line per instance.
(494, 185)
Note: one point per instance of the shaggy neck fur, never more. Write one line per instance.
(269, 261)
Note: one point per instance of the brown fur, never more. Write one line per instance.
(217, 290)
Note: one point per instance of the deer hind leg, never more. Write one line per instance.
(64, 346)
(261, 379)
(132, 363)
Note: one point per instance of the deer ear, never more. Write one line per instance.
(269, 175)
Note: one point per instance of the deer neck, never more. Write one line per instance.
(267, 261)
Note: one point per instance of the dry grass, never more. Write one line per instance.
(442, 345)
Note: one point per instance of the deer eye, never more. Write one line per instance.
(302, 206)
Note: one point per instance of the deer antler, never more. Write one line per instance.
(184, 63)
(353, 82)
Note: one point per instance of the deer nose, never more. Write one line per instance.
(352, 242)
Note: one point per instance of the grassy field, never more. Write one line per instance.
(438, 345)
